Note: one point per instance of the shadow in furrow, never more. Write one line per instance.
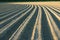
(54, 10)
(36, 34)
(12, 10)
(12, 14)
(27, 32)
(5, 23)
(55, 19)
(14, 27)
(45, 29)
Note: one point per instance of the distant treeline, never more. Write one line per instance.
(24, 0)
